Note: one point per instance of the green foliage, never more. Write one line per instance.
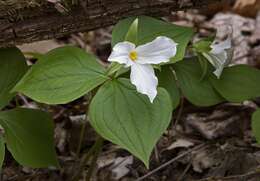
(238, 83)
(127, 118)
(203, 45)
(168, 81)
(61, 76)
(256, 125)
(29, 136)
(132, 33)
(117, 112)
(204, 64)
(198, 91)
(121, 29)
(149, 28)
(12, 68)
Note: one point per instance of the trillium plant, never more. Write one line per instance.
(141, 59)
(134, 94)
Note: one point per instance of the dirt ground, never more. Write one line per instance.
(202, 144)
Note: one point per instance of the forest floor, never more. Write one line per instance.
(202, 144)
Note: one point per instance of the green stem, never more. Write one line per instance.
(82, 133)
(113, 68)
(94, 159)
(92, 152)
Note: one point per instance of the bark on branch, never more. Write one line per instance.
(25, 21)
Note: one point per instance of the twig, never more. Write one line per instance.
(184, 172)
(171, 161)
(24, 100)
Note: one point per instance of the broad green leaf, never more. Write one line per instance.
(127, 118)
(150, 28)
(2, 152)
(121, 29)
(197, 91)
(29, 136)
(167, 80)
(204, 64)
(256, 125)
(62, 75)
(12, 68)
(238, 83)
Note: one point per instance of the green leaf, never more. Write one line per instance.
(132, 32)
(121, 29)
(12, 68)
(29, 136)
(167, 80)
(198, 92)
(203, 45)
(150, 28)
(204, 65)
(256, 125)
(62, 75)
(127, 118)
(238, 83)
(2, 152)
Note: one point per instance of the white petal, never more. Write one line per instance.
(143, 77)
(220, 47)
(219, 61)
(120, 53)
(220, 56)
(158, 51)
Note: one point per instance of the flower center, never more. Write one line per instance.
(133, 55)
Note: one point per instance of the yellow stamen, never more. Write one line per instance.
(133, 55)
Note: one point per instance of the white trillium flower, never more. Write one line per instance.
(220, 55)
(141, 59)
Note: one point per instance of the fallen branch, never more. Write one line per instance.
(25, 21)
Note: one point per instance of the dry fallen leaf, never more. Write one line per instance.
(242, 27)
(247, 7)
(180, 143)
(119, 168)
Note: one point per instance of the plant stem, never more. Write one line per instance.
(94, 159)
(92, 152)
(82, 133)
(179, 112)
(113, 68)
